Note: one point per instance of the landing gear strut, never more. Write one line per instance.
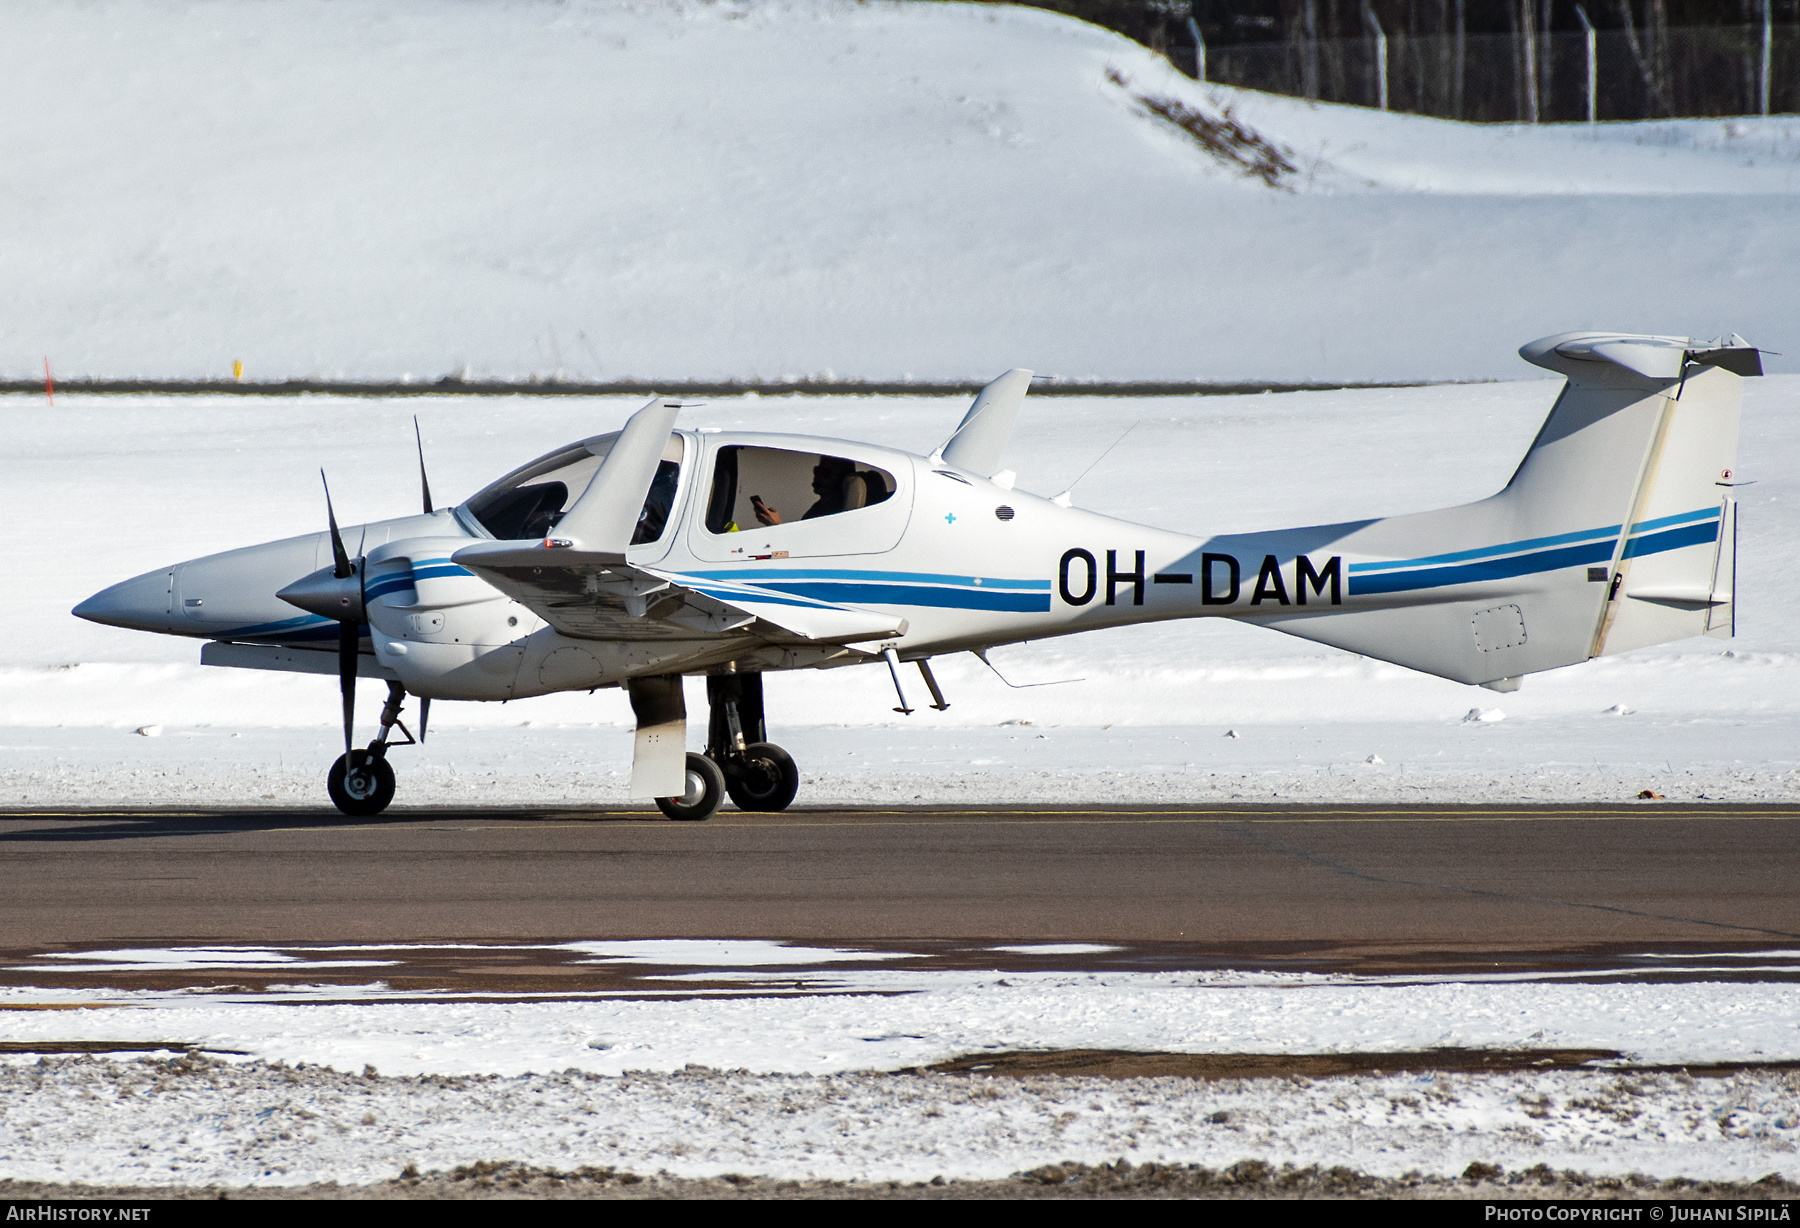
(361, 782)
(758, 774)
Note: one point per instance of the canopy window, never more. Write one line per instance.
(530, 501)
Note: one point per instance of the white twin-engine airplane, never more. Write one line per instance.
(639, 557)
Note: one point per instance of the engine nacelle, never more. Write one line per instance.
(447, 633)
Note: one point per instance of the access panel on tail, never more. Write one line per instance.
(1617, 530)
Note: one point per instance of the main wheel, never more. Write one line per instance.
(705, 790)
(766, 781)
(364, 789)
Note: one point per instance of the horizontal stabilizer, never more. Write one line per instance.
(1621, 359)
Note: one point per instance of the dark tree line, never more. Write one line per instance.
(1483, 59)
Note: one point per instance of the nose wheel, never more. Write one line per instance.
(361, 782)
(361, 788)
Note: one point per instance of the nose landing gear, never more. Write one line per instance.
(759, 775)
(361, 782)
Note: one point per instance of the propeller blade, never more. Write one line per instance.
(424, 483)
(424, 716)
(349, 642)
(340, 558)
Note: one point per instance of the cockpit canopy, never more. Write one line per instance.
(751, 488)
(528, 502)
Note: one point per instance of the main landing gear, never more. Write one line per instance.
(361, 782)
(740, 762)
(759, 775)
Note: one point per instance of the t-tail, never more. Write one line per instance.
(1618, 530)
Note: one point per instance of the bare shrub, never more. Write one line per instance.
(1230, 143)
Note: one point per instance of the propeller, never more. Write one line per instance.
(424, 483)
(349, 622)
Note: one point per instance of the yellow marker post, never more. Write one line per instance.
(237, 369)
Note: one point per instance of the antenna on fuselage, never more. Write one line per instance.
(980, 654)
(424, 482)
(1067, 496)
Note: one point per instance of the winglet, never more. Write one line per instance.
(981, 438)
(603, 519)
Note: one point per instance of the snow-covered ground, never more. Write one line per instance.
(770, 188)
(106, 488)
(175, 1123)
(786, 1081)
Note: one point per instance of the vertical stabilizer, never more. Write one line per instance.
(1618, 529)
(981, 437)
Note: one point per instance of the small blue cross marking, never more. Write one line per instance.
(949, 517)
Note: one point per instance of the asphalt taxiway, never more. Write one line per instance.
(1464, 885)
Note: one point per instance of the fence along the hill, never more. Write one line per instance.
(1501, 78)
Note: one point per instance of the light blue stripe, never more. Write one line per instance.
(1662, 521)
(1489, 551)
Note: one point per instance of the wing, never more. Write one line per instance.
(589, 597)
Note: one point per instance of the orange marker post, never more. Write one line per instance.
(49, 388)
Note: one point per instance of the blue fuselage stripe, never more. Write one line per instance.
(740, 597)
(1704, 533)
(1476, 573)
(780, 575)
(920, 595)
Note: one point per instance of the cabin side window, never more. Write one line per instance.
(754, 487)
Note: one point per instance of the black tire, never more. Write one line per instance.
(369, 792)
(766, 780)
(706, 789)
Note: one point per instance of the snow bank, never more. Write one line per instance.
(607, 189)
(87, 1120)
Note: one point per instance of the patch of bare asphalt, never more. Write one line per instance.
(113, 1046)
(1124, 1064)
(552, 969)
(1245, 1179)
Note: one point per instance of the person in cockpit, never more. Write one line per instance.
(838, 486)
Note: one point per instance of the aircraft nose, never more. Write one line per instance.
(142, 603)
